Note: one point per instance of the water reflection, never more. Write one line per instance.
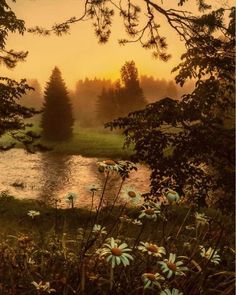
(49, 175)
(56, 172)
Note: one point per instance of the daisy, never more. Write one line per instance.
(190, 227)
(98, 229)
(125, 218)
(171, 266)
(43, 287)
(33, 213)
(201, 219)
(129, 194)
(93, 188)
(171, 195)
(210, 254)
(152, 279)
(70, 196)
(116, 254)
(150, 211)
(152, 249)
(171, 292)
(109, 166)
(137, 222)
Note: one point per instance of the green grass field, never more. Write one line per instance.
(89, 142)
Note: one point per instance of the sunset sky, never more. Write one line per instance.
(78, 54)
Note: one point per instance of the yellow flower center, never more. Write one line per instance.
(110, 162)
(152, 248)
(132, 194)
(149, 211)
(172, 266)
(116, 251)
(150, 276)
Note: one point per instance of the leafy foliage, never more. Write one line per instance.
(12, 114)
(147, 32)
(189, 144)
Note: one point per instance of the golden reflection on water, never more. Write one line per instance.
(46, 176)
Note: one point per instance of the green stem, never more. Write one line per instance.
(139, 235)
(83, 279)
(186, 216)
(111, 277)
(101, 200)
(86, 225)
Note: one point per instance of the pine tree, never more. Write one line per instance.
(57, 119)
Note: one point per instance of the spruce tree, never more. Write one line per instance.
(57, 119)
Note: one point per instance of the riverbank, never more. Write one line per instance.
(14, 217)
(87, 142)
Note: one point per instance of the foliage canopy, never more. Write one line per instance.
(189, 144)
(12, 113)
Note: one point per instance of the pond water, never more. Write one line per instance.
(45, 176)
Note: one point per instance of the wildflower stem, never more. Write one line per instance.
(101, 200)
(204, 275)
(87, 223)
(139, 235)
(185, 218)
(82, 278)
(111, 277)
(117, 195)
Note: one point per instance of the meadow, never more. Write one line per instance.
(167, 248)
(88, 142)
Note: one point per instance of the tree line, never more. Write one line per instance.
(96, 101)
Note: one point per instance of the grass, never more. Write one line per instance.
(88, 142)
(91, 142)
(37, 251)
(14, 219)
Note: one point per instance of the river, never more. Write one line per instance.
(45, 176)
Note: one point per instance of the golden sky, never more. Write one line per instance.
(78, 54)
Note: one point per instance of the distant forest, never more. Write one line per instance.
(87, 91)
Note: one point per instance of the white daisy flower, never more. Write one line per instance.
(130, 195)
(152, 249)
(171, 195)
(33, 213)
(172, 267)
(98, 229)
(116, 254)
(94, 187)
(43, 287)
(137, 222)
(190, 227)
(107, 166)
(171, 292)
(210, 254)
(201, 219)
(70, 196)
(150, 210)
(125, 218)
(152, 279)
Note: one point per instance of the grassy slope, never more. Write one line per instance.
(95, 143)
(90, 142)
